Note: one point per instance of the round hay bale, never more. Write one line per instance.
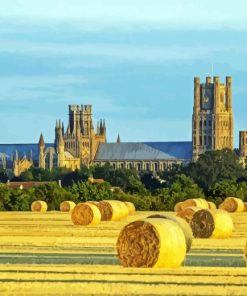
(151, 243)
(245, 207)
(67, 206)
(192, 202)
(131, 207)
(188, 213)
(112, 210)
(182, 223)
(212, 224)
(39, 206)
(178, 207)
(85, 214)
(93, 202)
(211, 205)
(232, 204)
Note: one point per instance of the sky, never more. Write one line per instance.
(134, 61)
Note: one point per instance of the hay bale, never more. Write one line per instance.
(151, 243)
(212, 224)
(211, 205)
(85, 214)
(39, 206)
(245, 207)
(131, 207)
(67, 206)
(188, 213)
(112, 210)
(232, 204)
(182, 223)
(178, 207)
(93, 202)
(192, 202)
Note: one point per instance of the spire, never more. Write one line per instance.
(56, 124)
(16, 155)
(103, 123)
(41, 140)
(97, 128)
(60, 126)
(63, 129)
(60, 138)
(118, 139)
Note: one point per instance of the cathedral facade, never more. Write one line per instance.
(77, 145)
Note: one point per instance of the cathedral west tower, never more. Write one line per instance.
(212, 119)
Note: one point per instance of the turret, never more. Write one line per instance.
(118, 139)
(41, 152)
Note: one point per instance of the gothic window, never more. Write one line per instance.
(209, 123)
(55, 162)
(147, 167)
(200, 123)
(47, 161)
(205, 140)
(245, 141)
(138, 167)
(205, 122)
(209, 140)
(200, 140)
(156, 167)
(122, 165)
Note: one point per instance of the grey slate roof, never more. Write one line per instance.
(129, 151)
(9, 149)
(180, 150)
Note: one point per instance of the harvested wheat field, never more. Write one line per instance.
(46, 254)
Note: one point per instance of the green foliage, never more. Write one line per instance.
(128, 180)
(5, 202)
(215, 166)
(181, 189)
(3, 176)
(151, 182)
(53, 195)
(84, 191)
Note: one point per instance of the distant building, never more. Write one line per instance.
(212, 120)
(80, 144)
(243, 146)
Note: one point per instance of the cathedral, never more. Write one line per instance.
(77, 145)
(80, 144)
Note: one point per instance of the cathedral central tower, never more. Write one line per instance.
(212, 119)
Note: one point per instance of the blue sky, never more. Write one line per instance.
(134, 61)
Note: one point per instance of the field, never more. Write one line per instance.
(45, 254)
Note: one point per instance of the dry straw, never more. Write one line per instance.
(212, 224)
(67, 206)
(182, 223)
(85, 214)
(151, 243)
(232, 204)
(131, 207)
(188, 213)
(112, 210)
(39, 206)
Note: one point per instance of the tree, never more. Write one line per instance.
(183, 188)
(215, 166)
(3, 176)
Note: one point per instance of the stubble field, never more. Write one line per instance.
(45, 254)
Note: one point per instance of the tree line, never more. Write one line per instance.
(215, 175)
